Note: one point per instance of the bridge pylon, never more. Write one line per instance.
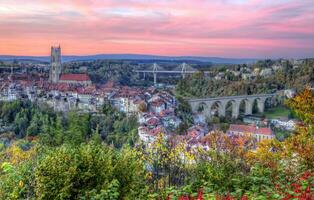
(155, 70)
(183, 70)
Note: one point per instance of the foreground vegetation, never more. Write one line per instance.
(66, 158)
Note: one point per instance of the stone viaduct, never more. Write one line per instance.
(206, 105)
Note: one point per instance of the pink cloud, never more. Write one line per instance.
(209, 28)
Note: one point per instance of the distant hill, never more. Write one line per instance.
(70, 58)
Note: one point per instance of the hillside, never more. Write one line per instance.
(69, 58)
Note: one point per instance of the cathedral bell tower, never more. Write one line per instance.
(55, 62)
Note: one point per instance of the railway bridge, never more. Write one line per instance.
(206, 105)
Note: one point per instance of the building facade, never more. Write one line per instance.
(258, 133)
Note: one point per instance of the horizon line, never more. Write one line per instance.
(158, 55)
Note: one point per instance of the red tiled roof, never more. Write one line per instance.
(152, 121)
(166, 112)
(242, 128)
(264, 131)
(250, 129)
(157, 103)
(74, 77)
(157, 130)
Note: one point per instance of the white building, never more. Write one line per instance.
(266, 72)
(289, 125)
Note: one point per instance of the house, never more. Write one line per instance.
(127, 100)
(219, 76)
(277, 67)
(197, 131)
(13, 92)
(152, 122)
(31, 93)
(134, 104)
(171, 121)
(290, 93)
(256, 71)
(144, 135)
(263, 134)
(266, 72)
(254, 120)
(258, 133)
(295, 66)
(167, 98)
(149, 135)
(157, 105)
(247, 76)
(142, 117)
(235, 73)
(289, 125)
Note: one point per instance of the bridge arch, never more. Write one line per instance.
(204, 109)
(218, 108)
(271, 102)
(201, 108)
(219, 105)
(246, 106)
(260, 104)
(232, 108)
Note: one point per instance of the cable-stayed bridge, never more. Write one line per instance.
(182, 69)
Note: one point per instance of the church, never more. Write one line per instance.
(56, 75)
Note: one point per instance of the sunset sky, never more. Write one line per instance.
(224, 28)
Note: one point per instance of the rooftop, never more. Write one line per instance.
(74, 77)
(250, 129)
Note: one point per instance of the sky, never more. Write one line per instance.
(221, 28)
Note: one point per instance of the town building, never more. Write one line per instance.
(147, 135)
(288, 125)
(254, 120)
(250, 130)
(197, 131)
(266, 72)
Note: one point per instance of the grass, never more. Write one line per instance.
(277, 112)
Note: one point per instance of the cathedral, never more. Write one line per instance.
(56, 75)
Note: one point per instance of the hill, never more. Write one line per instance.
(69, 58)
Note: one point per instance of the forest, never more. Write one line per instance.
(49, 155)
(199, 85)
(22, 119)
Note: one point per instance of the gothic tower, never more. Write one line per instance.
(56, 67)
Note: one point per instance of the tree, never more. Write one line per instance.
(184, 111)
(77, 130)
(96, 136)
(21, 122)
(301, 143)
(303, 106)
(35, 125)
(89, 171)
